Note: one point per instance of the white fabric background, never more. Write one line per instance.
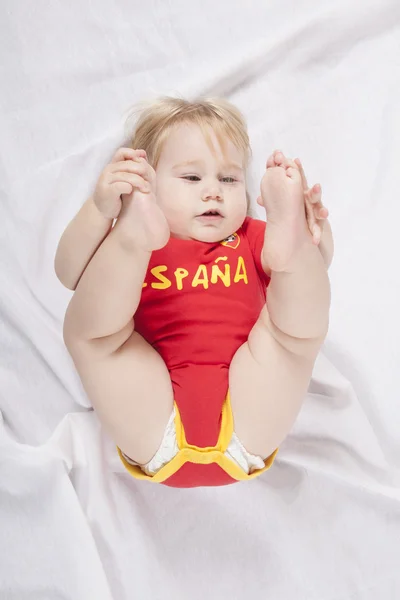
(318, 80)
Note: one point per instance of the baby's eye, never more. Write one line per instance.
(191, 177)
(197, 178)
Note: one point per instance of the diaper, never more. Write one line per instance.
(181, 464)
(169, 449)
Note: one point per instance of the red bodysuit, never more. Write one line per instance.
(199, 302)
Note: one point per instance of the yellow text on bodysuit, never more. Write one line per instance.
(201, 277)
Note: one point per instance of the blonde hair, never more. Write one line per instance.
(158, 118)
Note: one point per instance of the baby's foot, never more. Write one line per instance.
(144, 221)
(283, 198)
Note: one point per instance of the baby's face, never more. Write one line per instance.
(191, 180)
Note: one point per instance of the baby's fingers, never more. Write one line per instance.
(123, 187)
(314, 196)
(140, 167)
(303, 175)
(136, 181)
(128, 154)
(313, 226)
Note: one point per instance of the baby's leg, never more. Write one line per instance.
(270, 373)
(126, 380)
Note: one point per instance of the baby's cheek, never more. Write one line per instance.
(174, 208)
(164, 193)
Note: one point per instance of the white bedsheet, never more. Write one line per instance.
(318, 80)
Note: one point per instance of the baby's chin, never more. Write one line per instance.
(206, 238)
(206, 233)
(211, 234)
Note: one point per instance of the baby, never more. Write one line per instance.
(194, 327)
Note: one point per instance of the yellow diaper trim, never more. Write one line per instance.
(204, 456)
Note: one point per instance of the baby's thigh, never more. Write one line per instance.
(268, 384)
(130, 389)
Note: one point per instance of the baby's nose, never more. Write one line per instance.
(212, 193)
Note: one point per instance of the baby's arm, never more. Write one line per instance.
(91, 225)
(79, 242)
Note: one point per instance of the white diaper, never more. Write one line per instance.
(169, 448)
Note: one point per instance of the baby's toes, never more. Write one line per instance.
(293, 173)
(286, 162)
(290, 163)
(271, 162)
(279, 158)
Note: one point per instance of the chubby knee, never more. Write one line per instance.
(79, 345)
(307, 348)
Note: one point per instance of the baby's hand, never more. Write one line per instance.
(316, 212)
(128, 170)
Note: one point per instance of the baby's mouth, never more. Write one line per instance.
(211, 213)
